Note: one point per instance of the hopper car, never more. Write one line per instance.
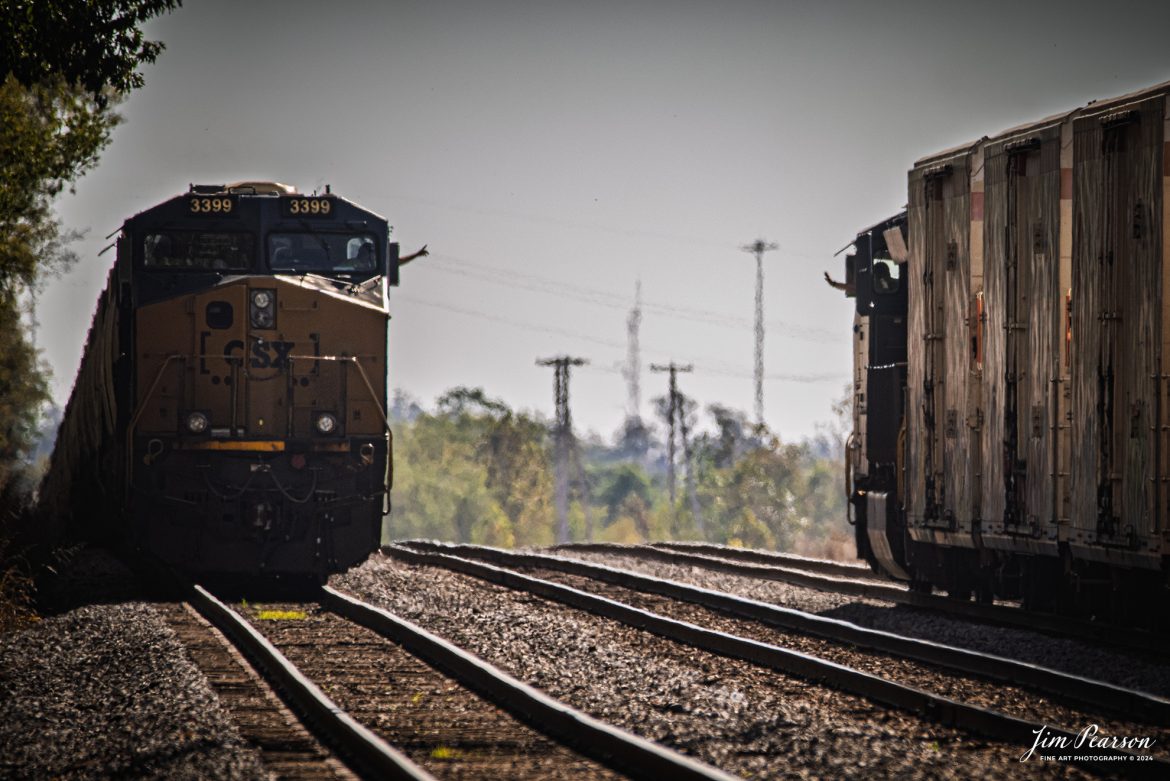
(229, 414)
(1011, 386)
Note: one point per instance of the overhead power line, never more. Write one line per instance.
(515, 279)
(706, 367)
(591, 227)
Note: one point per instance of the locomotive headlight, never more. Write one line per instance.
(326, 423)
(263, 308)
(197, 422)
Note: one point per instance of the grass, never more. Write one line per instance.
(281, 615)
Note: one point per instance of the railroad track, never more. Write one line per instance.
(285, 748)
(509, 730)
(944, 710)
(811, 573)
(824, 566)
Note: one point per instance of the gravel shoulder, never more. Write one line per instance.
(733, 715)
(107, 691)
(1132, 670)
(998, 696)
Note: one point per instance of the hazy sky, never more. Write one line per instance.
(554, 153)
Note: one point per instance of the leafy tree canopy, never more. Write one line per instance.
(476, 470)
(64, 64)
(96, 46)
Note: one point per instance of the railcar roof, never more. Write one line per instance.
(1092, 106)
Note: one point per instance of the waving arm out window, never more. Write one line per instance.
(345, 253)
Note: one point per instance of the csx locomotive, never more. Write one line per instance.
(229, 415)
(1012, 356)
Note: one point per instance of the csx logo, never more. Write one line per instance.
(265, 355)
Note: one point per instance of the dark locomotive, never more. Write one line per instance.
(1011, 396)
(229, 413)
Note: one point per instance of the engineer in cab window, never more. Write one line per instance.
(883, 281)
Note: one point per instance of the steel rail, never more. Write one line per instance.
(1047, 623)
(935, 708)
(367, 754)
(838, 568)
(1071, 688)
(610, 745)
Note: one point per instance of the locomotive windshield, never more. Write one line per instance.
(178, 249)
(344, 253)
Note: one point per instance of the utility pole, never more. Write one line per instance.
(758, 248)
(564, 444)
(677, 411)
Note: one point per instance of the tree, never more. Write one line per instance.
(64, 66)
(96, 46)
(472, 471)
(23, 390)
(440, 487)
(615, 485)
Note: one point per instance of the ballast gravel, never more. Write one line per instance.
(1132, 670)
(106, 691)
(733, 715)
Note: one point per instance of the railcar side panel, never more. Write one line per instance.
(1116, 329)
(938, 438)
(87, 467)
(1022, 309)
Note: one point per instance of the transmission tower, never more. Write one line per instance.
(633, 369)
(565, 445)
(677, 412)
(758, 248)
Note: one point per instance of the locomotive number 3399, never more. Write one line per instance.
(210, 205)
(303, 207)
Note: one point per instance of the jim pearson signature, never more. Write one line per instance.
(1052, 746)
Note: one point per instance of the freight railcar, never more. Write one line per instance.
(1011, 395)
(229, 415)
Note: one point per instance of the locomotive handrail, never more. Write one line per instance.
(141, 408)
(850, 443)
(365, 377)
(337, 358)
(158, 378)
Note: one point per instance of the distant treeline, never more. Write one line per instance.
(474, 470)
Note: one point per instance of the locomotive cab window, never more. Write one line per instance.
(199, 250)
(887, 276)
(337, 253)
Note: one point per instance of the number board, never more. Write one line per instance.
(211, 205)
(306, 206)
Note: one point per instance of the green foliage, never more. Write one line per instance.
(618, 486)
(96, 46)
(474, 470)
(64, 64)
(23, 390)
(50, 134)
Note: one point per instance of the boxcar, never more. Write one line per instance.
(1014, 442)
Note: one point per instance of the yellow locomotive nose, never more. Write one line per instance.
(233, 391)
